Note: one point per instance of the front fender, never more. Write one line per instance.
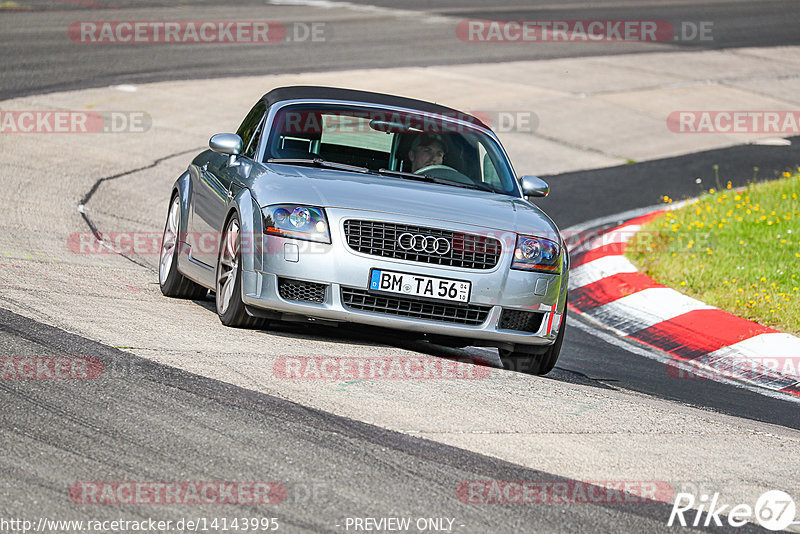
(245, 206)
(183, 188)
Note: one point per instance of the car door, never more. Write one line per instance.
(211, 197)
(217, 183)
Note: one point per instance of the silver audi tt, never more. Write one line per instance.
(336, 205)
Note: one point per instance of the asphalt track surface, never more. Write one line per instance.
(332, 467)
(36, 59)
(59, 433)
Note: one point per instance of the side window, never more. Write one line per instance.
(488, 171)
(249, 130)
(250, 150)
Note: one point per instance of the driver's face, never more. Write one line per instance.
(423, 156)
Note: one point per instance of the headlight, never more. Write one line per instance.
(536, 254)
(296, 221)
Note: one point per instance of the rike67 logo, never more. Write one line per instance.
(774, 510)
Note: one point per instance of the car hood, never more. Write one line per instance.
(341, 189)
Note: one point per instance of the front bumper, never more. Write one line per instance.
(337, 266)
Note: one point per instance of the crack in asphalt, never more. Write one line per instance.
(89, 194)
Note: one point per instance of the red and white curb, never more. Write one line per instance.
(703, 341)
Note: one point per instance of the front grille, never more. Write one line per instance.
(523, 321)
(470, 251)
(299, 290)
(361, 299)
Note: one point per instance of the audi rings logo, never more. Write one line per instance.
(424, 243)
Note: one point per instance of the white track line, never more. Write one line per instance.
(667, 359)
(598, 269)
(645, 308)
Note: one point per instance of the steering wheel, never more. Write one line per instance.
(444, 171)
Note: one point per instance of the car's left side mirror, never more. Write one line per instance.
(226, 143)
(533, 186)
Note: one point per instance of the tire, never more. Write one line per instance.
(228, 280)
(173, 283)
(537, 364)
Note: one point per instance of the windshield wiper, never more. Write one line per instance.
(409, 175)
(433, 179)
(319, 162)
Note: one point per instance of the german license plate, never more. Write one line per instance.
(419, 286)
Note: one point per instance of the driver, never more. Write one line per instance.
(426, 149)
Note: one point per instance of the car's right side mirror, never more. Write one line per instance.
(533, 186)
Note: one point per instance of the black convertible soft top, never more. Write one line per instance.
(313, 92)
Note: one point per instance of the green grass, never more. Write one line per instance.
(736, 250)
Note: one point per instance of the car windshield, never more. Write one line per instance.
(392, 143)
